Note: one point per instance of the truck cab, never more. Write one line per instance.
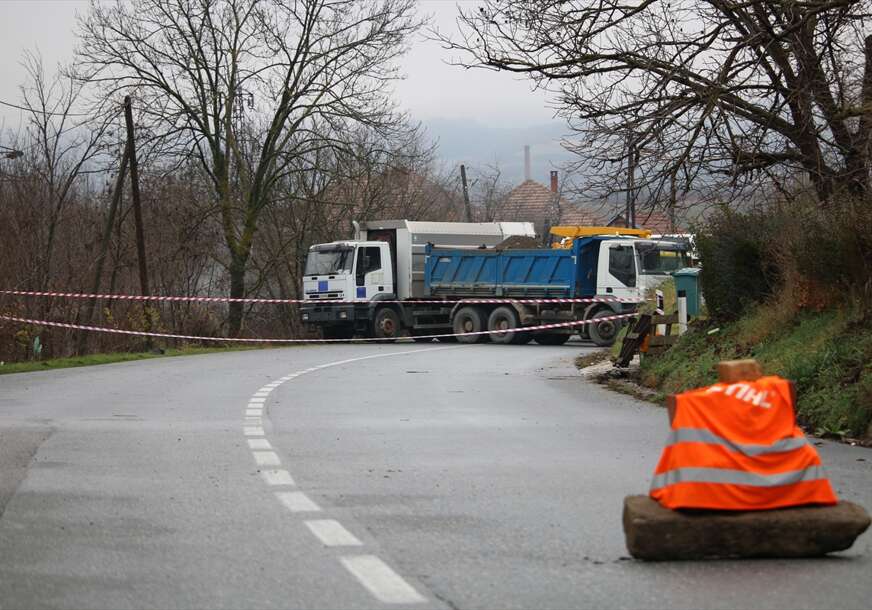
(627, 268)
(348, 271)
(339, 276)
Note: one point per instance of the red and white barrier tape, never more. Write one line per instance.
(103, 329)
(473, 301)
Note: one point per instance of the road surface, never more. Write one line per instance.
(358, 476)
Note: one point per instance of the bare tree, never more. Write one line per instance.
(488, 192)
(62, 143)
(702, 89)
(245, 86)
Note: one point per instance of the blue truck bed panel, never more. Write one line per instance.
(512, 273)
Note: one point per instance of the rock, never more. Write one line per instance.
(731, 371)
(656, 533)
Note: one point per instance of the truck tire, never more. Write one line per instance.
(604, 333)
(468, 320)
(523, 338)
(386, 325)
(551, 339)
(503, 318)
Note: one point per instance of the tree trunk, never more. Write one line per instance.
(238, 263)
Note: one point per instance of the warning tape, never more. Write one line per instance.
(473, 301)
(103, 329)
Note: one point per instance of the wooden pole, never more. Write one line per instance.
(466, 206)
(631, 182)
(137, 207)
(137, 216)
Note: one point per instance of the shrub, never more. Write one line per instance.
(738, 269)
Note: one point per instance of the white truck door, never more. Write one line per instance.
(372, 271)
(617, 273)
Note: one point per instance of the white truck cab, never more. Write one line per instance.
(348, 271)
(629, 267)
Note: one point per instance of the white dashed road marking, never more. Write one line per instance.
(297, 502)
(331, 533)
(386, 585)
(277, 477)
(374, 574)
(266, 458)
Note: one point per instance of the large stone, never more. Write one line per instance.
(657, 533)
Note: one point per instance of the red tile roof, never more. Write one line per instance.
(534, 202)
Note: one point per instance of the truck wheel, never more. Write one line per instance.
(551, 339)
(603, 333)
(468, 320)
(503, 318)
(386, 325)
(523, 338)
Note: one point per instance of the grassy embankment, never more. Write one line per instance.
(828, 354)
(94, 359)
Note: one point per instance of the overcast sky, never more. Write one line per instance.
(433, 90)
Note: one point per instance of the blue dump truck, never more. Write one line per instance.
(427, 298)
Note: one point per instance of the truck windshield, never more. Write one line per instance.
(662, 257)
(329, 262)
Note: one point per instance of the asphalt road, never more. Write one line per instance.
(389, 476)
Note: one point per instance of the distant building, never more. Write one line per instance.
(532, 201)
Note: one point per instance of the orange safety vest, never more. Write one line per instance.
(736, 446)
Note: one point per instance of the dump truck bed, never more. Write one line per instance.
(486, 273)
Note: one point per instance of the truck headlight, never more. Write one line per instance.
(305, 316)
(343, 315)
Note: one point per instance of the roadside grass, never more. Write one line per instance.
(96, 359)
(827, 354)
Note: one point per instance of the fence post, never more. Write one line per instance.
(682, 312)
(661, 328)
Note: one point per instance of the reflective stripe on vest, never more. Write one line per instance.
(701, 435)
(735, 477)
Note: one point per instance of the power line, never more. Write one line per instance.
(43, 112)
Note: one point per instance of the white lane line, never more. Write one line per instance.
(277, 477)
(331, 533)
(376, 576)
(259, 444)
(386, 585)
(297, 502)
(266, 458)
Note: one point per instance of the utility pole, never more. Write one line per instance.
(134, 188)
(466, 205)
(137, 215)
(631, 181)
